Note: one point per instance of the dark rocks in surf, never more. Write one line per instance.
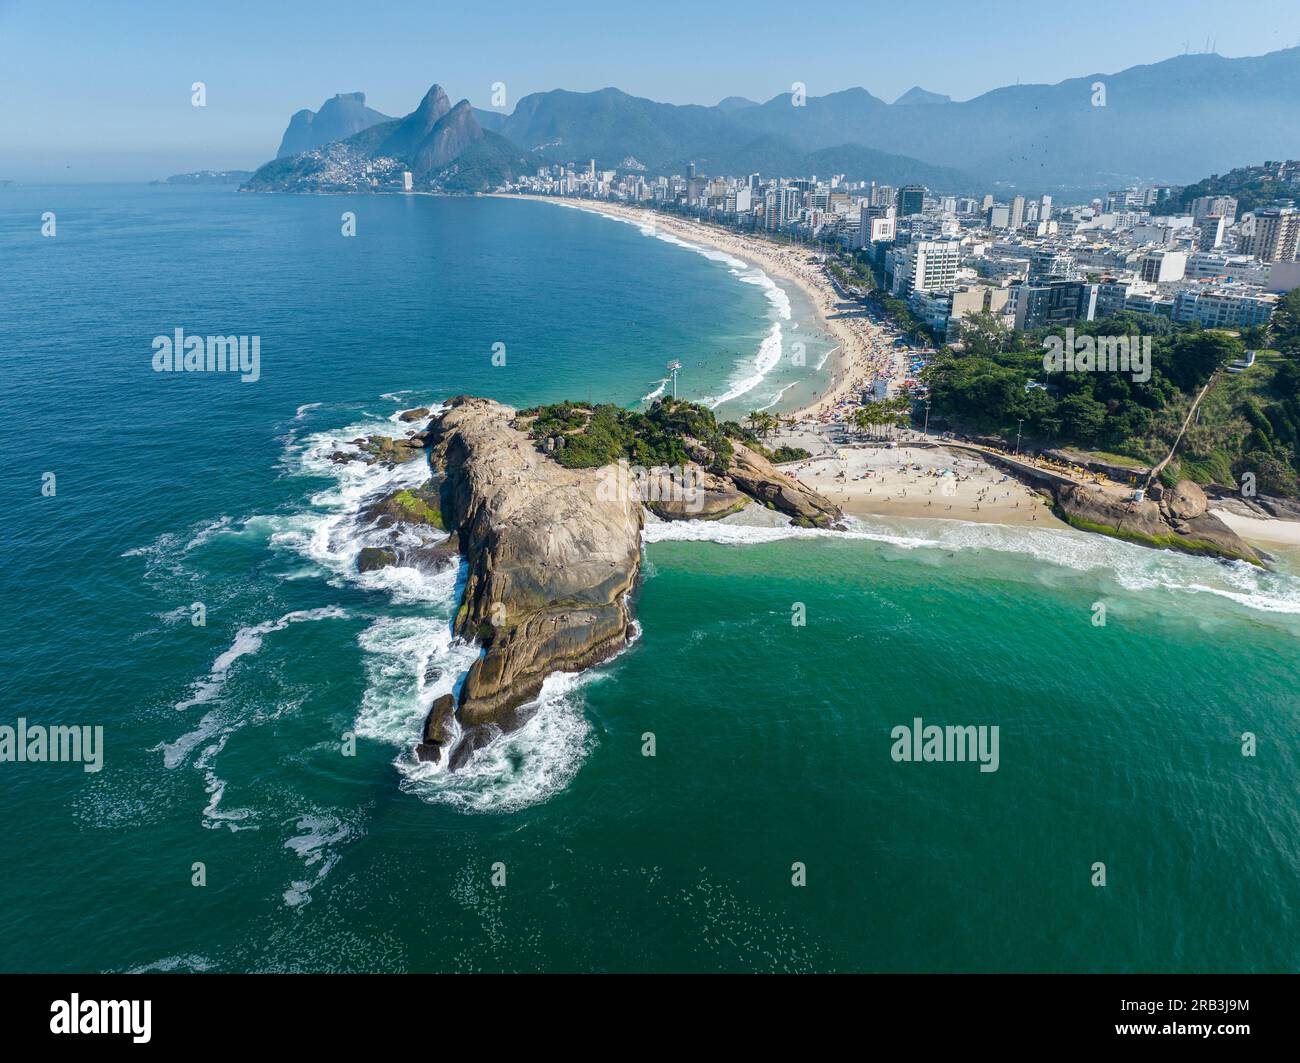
(391, 451)
(409, 505)
(373, 558)
(436, 733)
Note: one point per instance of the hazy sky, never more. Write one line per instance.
(100, 89)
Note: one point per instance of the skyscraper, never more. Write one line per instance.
(911, 200)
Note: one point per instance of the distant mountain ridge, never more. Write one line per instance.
(609, 125)
(1164, 123)
(916, 95)
(338, 118)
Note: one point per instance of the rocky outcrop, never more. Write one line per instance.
(437, 732)
(1179, 520)
(409, 505)
(692, 494)
(1263, 507)
(763, 481)
(373, 558)
(390, 450)
(417, 414)
(551, 554)
(414, 515)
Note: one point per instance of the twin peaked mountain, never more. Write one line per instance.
(347, 146)
(1169, 122)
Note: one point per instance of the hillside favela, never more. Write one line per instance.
(583, 530)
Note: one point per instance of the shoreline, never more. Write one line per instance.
(861, 480)
(859, 354)
(1269, 533)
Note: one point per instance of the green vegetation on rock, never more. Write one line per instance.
(418, 509)
(598, 435)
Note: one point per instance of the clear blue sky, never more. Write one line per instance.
(100, 89)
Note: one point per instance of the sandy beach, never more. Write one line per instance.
(903, 481)
(917, 481)
(864, 348)
(1264, 531)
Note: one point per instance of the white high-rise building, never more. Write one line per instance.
(1211, 230)
(876, 225)
(927, 266)
(1162, 267)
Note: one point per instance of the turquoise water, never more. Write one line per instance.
(224, 743)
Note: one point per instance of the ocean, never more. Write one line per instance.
(259, 806)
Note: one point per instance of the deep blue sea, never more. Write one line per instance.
(226, 745)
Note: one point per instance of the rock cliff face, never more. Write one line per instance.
(412, 130)
(1176, 518)
(761, 480)
(447, 141)
(339, 118)
(551, 558)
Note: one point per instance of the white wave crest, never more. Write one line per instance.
(1132, 567)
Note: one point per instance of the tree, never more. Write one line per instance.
(1255, 336)
(1198, 354)
(1082, 416)
(983, 335)
(1286, 324)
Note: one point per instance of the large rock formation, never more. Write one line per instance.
(412, 130)
(1177, 520)
(339, 118)
(551, 555)
(761, 480)
(447, 141)
(349, 148)
(696, 495)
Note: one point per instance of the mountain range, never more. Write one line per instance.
(347, 146)
(1164, 123)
